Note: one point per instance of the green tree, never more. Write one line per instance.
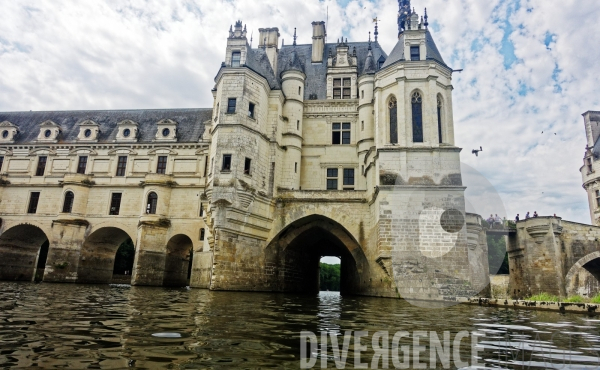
(497, 256)
(330, 277)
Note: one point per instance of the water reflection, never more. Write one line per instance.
(79, 326)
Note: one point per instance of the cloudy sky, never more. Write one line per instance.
(529, 66)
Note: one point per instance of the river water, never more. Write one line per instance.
(115, 327)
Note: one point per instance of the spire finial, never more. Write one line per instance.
(376, 33)
(403, 15)
(369, 40)
(426, 19)
(251, 36)
(294, 36)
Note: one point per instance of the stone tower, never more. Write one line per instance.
(337, 149)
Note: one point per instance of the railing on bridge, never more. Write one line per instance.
(505, 227)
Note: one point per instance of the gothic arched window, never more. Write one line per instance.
(439, 117)
(151, 206)
(68, 204)
(417, 117)
(393, 110)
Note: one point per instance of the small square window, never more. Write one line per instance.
(349, 176)
(251, 110)
(247, 166)
(332, 184)
(295, 167)
(231, 102)
(121, 165)
(201, 209)
(340, 133)
(226, 163)
(161, 166)
(202, 234)
(115, 204)
(236, 56)
(41, 167)
(332, 172)
(415, 53)
(81, 166)
(34, 198)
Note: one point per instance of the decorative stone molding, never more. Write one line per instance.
(158, 179)
(166, 131)
(78, 179)
(538, 232)
(8, 132)
(88, 131)
(128, 131)
(49, 132)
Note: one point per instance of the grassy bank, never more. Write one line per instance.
(545, 297)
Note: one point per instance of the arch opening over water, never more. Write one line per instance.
(297, 251)
(23, 251)
(98, 254)
(178, 261)
(584, 276)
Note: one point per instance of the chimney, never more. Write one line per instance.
(269, 40)
(318, 45)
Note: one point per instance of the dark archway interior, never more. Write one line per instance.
(20, 247)
(300, 267)
(178, 261)
(124, 262)
(97, 261)
(41, 261)
(593, 267)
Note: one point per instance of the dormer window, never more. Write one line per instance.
(415, 53)
(166, 130)
(8, 132)
(236, 57)
(88, 131)
(380, 62)
(49, 132)
(341, 88)
(128, 131)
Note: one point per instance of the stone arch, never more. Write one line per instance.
(178, 260)
(588, 265)
(20, 248)
(292, 256)
(97, 258)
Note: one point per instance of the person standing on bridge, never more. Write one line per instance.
(527, 216)
(517, 218)
(535, 214)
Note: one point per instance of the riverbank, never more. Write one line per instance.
(562, 307)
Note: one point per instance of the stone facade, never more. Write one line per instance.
(551, 255)
(329, 149)
(590, 171)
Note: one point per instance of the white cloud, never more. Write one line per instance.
(117, 54)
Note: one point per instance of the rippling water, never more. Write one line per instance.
(87, 326)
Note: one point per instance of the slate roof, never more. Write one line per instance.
(316, 73)
(397, 53)
(190, 123)
(258, 61)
